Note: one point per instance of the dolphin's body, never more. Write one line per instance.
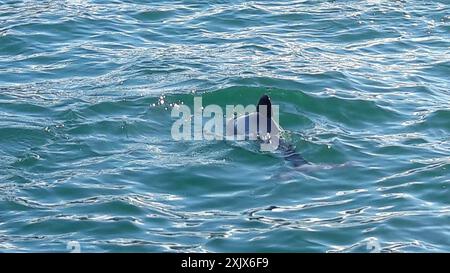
(259, 125)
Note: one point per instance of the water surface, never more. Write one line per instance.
(86, 154)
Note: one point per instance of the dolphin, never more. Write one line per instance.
(261, 125)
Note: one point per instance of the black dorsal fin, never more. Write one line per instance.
(265, 100)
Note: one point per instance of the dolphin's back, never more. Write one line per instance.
(247, 125)
(290, 154)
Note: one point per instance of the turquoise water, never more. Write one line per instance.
(86, 154)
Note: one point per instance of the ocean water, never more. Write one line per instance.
(86, 152)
